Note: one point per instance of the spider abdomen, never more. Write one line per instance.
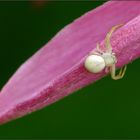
(94, 63)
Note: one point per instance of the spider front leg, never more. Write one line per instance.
(121, 73)
(108, 36)
(99, 48)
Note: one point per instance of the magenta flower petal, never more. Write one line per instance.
(57, 69)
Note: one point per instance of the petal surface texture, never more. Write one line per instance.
(57, 69)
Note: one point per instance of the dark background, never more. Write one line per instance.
(106, 109)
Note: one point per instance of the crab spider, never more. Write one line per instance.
(99, 60)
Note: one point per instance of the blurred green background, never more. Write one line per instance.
(106, 109)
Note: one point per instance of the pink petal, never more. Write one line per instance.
(57, 69)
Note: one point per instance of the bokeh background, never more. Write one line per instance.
(105, 109)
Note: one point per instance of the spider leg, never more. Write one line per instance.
(99, 49)
(121, 73)
(106, 69)
(123, 70)
(108, 36)
(94, 53)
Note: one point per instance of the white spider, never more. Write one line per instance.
(99, 60)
